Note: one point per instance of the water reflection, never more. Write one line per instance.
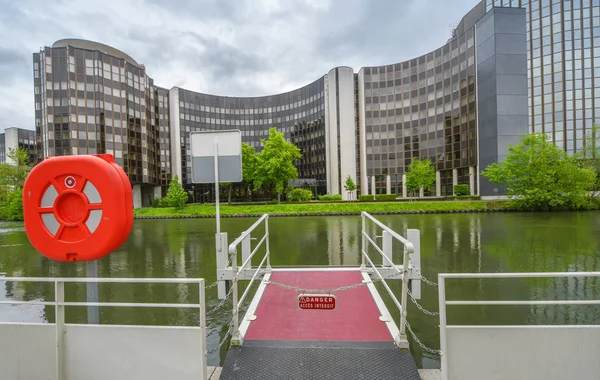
(449, 243)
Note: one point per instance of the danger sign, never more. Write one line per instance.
(316, 301)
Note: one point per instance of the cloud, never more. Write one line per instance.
(234, 48)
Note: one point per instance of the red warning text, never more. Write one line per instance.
(316, 301)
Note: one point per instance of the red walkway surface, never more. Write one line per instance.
(356, 317)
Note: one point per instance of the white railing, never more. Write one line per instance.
(247, 254)
(61, 327)
(518, 351)
(388, 236)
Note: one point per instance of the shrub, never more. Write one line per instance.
(461, 190)
(378, 197)
(330, 197)
(159, 202)
(12, 207)
(176, 196)
(300, 195)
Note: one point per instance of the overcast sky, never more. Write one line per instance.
(223, 47)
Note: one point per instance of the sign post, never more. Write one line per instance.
(216, 158)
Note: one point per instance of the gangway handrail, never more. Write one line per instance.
(235, 337)
(443, 302)
(59, 304)
(238, 240)
(409, 248)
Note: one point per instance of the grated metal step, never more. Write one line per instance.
(296, 360)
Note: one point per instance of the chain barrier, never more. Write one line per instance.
(222, 275)
(423, 347)
(432, 313)
(331, 290)
(429, 282)
(222, 342)
(220, 304)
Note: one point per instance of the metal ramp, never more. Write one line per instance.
(277, 360)
(280, 337)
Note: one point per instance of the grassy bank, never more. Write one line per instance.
(321, 208)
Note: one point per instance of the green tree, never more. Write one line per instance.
(14, 171)
(12, 178)
(248, 168)
(420, 174)
(176, 196)
(349, 186)
(12, 209)
(275, 163)
(590, 155)
(540, 176)
(249, 163)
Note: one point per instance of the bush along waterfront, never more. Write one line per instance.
(539, 176)
(323, 208)
(12, 179)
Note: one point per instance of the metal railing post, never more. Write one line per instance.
(59, 310)
(386, 247)
(404, 300)
(414, 236)
(442, 309)
(363, 240)
(202, 300)
(235, 337)
(267, 244)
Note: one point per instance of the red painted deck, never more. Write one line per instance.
(356, 317)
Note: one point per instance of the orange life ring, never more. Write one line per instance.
(77, 208)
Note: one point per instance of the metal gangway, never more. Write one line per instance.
(328, 321)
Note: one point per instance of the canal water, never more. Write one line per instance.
(496, 242)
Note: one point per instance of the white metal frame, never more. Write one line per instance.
(388, 236)
(443, 302)
(60, 304)
(407, 271)
(247, 254)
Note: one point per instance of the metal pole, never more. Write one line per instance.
(235, 337)
(202, 298)
(442, 308)
(404, 301)
(364, 241)
(267, 243)
(59, 309)
(218, 211)
(91, 271)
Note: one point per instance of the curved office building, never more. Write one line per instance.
(300, 114)
(510, 68)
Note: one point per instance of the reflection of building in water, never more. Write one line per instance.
(567, 288)
(458, 238)
(343, 240)
(23, 313)
(508, 248)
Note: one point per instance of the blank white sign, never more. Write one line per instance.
(203, 143)
(230, 156)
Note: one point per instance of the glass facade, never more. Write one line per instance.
(299, 114)
(90, 98)
(2, 148)
(370, 125)
(423, 108)
(13, 138)
(564, 67)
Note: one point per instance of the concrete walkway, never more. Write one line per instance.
(214, 373)
(430, 374)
